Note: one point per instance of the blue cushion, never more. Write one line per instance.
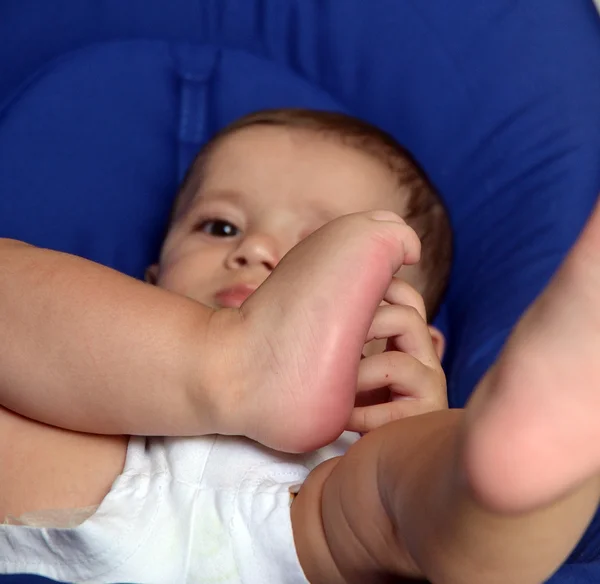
(103, 104)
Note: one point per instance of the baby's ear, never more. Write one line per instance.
(151, 274)
(439, 341)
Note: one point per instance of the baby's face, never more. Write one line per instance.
(265, 189)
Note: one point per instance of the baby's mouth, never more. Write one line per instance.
(235, 296)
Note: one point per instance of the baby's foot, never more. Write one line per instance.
(534, 420)
(303, 330)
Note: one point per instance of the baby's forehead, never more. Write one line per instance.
(267, 135)
(257, 150)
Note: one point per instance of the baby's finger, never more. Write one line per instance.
(369, 418)
(403, 375)
(408, 330)
(401, 292)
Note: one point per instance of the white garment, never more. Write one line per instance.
(213, 509)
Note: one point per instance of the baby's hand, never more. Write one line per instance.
(407, 379)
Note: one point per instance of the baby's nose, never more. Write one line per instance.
(254, 251)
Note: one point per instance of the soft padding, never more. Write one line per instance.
(103, 104)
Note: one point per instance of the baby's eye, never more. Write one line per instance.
(218, 228)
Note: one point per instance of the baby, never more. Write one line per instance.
(283, 368)
(422, 496)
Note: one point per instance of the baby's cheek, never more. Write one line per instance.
(174, 279)
(167, 277)
(190, 283)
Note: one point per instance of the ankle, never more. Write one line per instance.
(220, 366)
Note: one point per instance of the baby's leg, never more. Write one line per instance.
(304, 329)
(43, 467)
(534, 430)
(397, 503)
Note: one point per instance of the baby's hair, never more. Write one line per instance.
(425, 211)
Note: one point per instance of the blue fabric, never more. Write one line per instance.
(24, 579)
(104, 103)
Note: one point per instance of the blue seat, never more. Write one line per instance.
(103, 105)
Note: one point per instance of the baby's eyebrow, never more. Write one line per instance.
(228, 195)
